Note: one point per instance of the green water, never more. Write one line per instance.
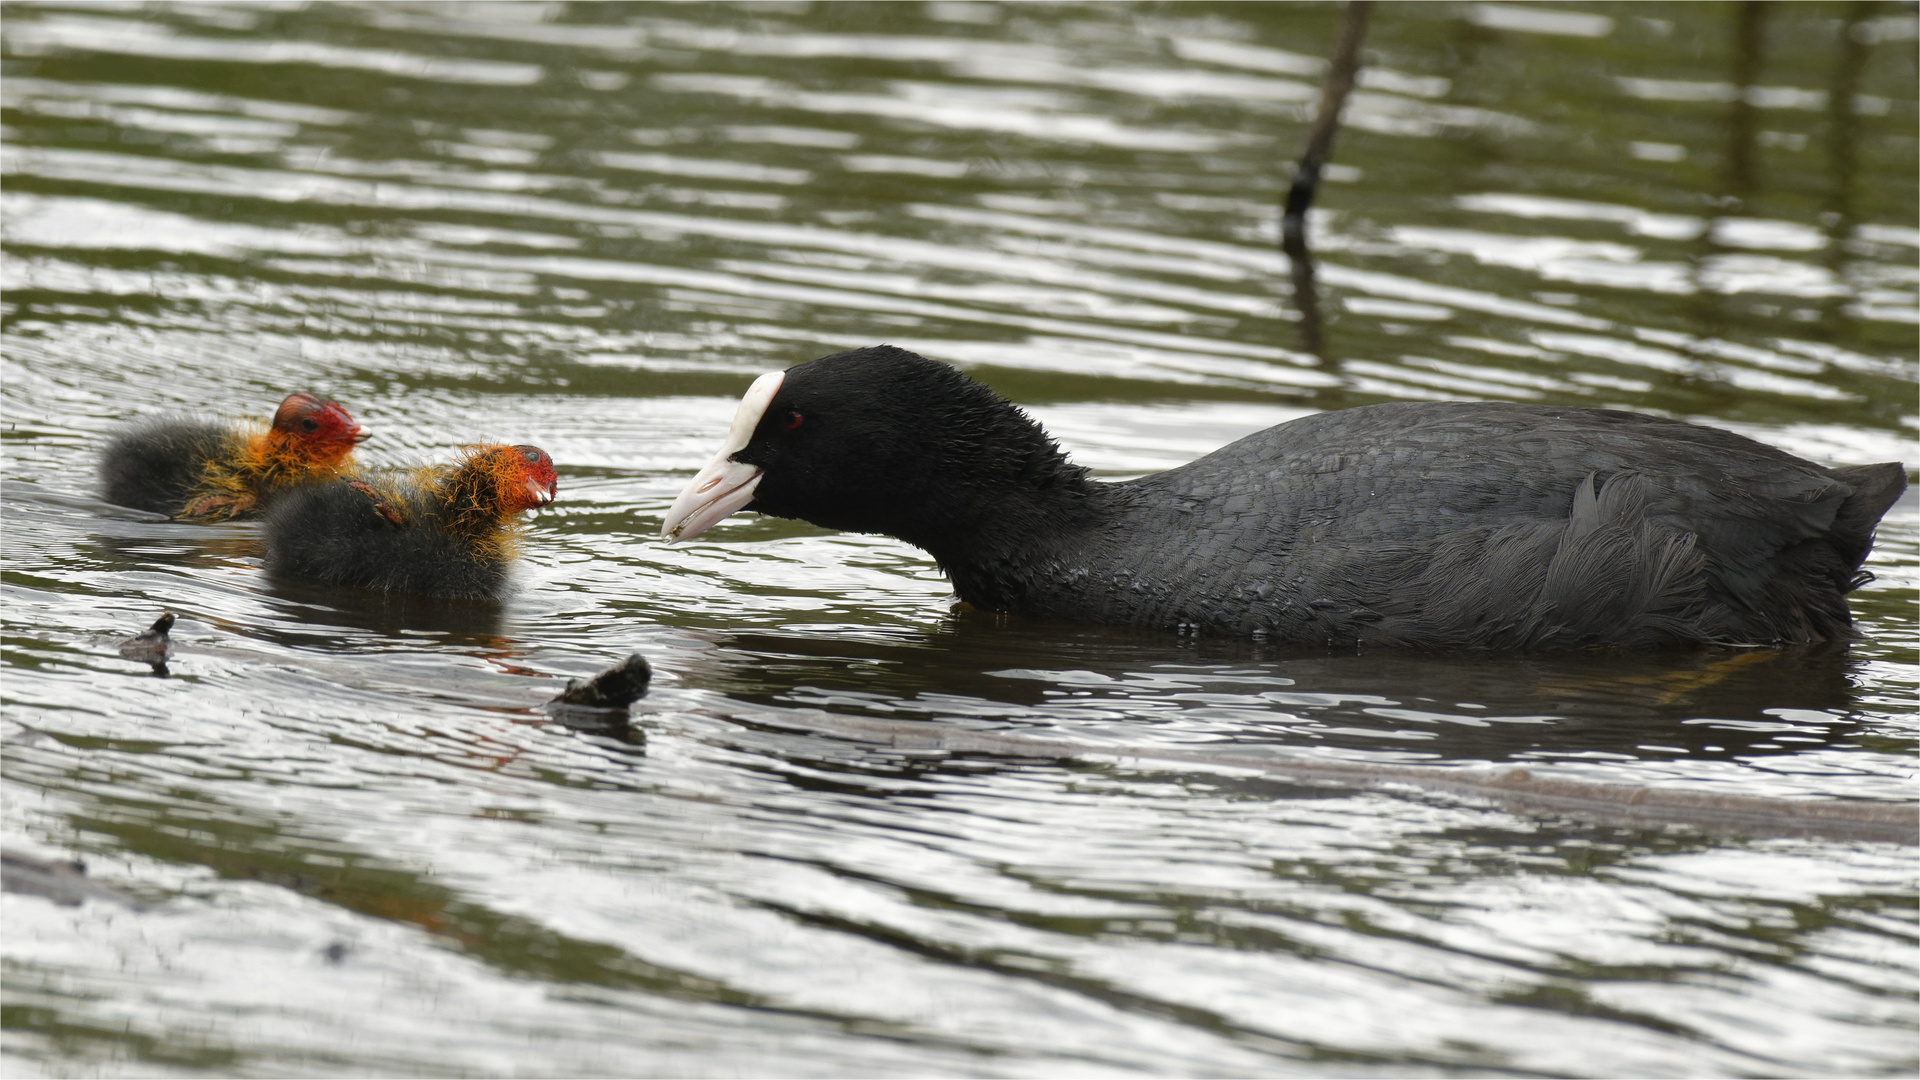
(818, 847)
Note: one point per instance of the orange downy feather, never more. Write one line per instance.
(259, 462)
(485, 495)
(480, 498)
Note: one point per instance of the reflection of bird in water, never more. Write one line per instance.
(153, 646)
(1709, 703)
(1431, 524)
(446, 531)
(211, 471)
(1714, 704)
(1674, 685)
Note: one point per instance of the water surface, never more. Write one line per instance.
(368, 850)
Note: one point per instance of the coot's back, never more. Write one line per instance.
(1495, 525)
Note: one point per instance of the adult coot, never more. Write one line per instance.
(1437, 524)
(211, 470)
(443, 531)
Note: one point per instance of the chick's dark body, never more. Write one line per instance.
(336, 534)
(155, 465)
(196, 470)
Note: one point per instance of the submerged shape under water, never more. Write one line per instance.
(850, 831)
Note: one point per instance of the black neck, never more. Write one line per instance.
(999, 550)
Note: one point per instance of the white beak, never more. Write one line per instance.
(724, 485)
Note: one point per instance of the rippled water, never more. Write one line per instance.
(851, 831)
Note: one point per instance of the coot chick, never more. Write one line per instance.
(209, 470)
(445, 531)
(1447, 525)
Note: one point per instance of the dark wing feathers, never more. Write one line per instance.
(1509, 526)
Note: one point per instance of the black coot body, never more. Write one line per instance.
(1432, 524)
(443, 532)
(157, 464)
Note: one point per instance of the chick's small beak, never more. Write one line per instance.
(359, 434)
(542, 494)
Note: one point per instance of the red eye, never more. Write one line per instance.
(793, 420)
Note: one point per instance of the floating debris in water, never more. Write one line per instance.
(153, 646)
(615, 688)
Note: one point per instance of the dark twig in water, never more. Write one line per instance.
(615, 688)
(1341, 72)
(153, 646)
(1750, 20)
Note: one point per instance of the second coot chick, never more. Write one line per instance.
(448, 531)
(1453, 525)
(210, 471)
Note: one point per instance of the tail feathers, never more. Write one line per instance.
(1623, 568)
(1875, 489)
(1621, 574)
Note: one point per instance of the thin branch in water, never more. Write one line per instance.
(1342, 69)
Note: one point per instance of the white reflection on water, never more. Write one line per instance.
(51, 33)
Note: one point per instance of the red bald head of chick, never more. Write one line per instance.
(311, 430)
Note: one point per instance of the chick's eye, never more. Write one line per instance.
(793, 420)
(532, 456)
(309, 424)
